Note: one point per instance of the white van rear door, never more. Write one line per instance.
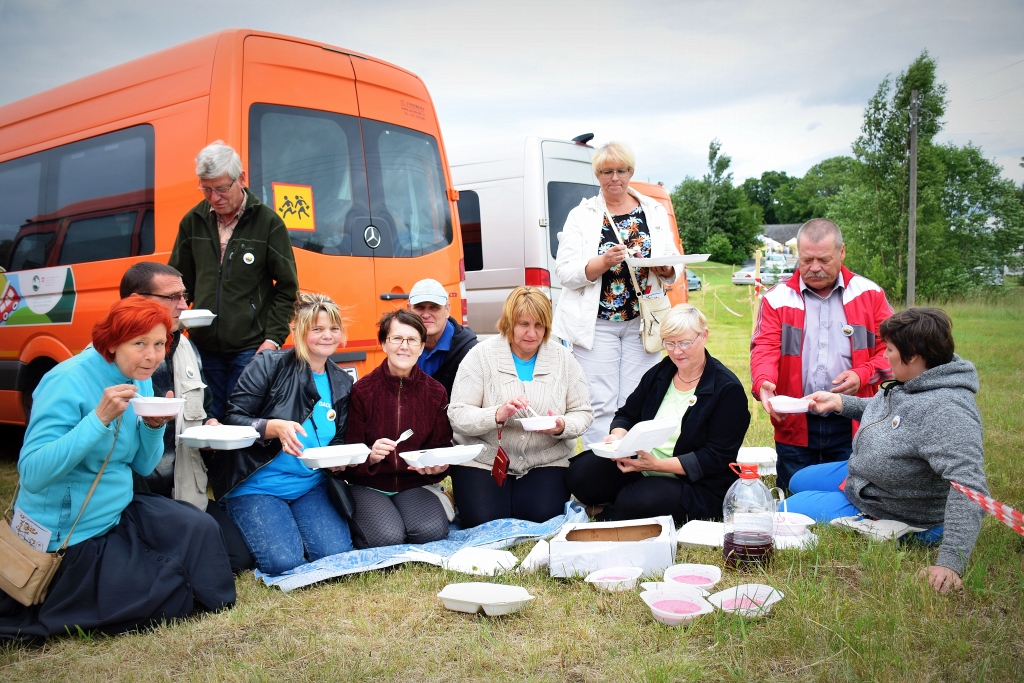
(568, 179)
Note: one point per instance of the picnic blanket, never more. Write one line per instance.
(501, 533)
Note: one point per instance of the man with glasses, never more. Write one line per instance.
(236, 259)
(447, 341)
(181, 473)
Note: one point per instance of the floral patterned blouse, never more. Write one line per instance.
(619, 301)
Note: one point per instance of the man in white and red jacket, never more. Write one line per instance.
(818, 332)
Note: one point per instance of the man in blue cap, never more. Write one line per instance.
(448, 342)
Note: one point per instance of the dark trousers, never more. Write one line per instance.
(412, 516)
(238, 552)
(537, 496)
(597, 481)
(221, 372)
(829, 439)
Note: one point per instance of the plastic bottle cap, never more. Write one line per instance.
(746, 470)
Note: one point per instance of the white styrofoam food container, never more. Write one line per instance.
(197, 317)
(615, 579)
(480, 561)
(764, 457)
(156, 406)
(219, 437)
(335, 456)
(493, 598)
(791, 524)
(708, 574)
(748, 600)
(681, 594)
(661, 585)
(584, 547)
(699, 533)
(673, 260)
(788, 404)
(535, 424)
(453, 455)
(642, 437)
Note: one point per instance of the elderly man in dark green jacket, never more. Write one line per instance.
(236, 259)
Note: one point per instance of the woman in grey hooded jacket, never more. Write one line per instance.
(920, 432)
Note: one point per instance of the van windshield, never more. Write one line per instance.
(319, 157)
(563, 198)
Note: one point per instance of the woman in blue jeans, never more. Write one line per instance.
(922, 431)
(295, 398)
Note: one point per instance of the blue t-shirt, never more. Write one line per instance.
(286, 476)
(524, 368)
(430, 361)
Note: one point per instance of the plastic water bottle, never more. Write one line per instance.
(749, 515)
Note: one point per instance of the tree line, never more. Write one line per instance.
(970, 220)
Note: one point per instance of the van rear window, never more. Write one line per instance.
(469, 221)
(563, 198)
(367, 188)
(84, 195)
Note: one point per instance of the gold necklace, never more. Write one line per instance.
(691, 381)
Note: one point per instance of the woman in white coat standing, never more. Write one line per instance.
(599, 310)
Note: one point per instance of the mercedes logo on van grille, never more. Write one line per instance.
(371, 236)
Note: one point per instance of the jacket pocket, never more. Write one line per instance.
(192, 392)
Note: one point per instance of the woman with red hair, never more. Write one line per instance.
(129, 561)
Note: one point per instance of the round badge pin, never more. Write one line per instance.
(847, 330)
(331, 414)
(190, 373)
(693, 399)
(896, 422)
(248, 258)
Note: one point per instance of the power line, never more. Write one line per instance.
(978, 78)
(1000, 94)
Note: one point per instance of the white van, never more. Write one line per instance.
(514, 197)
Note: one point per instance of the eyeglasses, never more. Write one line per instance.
(169, 298)
(222, 190)
(609, 172)
(672, 346)
(413, 342)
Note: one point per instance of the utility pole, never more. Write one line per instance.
(912, 218)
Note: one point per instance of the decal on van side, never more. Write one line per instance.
(294, 204)
(45, 296)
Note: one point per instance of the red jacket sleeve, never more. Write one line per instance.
(765, 348)
(876, 370)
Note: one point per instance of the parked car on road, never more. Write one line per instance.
(745, 276)
(693, 281)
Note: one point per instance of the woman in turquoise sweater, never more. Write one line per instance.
(129, 561)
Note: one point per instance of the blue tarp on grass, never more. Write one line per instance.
(501, 533)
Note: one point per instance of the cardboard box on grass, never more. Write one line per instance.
(578, 549)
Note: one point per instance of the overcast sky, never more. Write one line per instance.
(783, 85)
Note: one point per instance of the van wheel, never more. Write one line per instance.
(32, 376)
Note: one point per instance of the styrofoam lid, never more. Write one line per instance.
(484, 593)
(481, 561)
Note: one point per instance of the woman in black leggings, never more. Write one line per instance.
(497, 382)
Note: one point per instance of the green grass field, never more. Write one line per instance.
(854, 609)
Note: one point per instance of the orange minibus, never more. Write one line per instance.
(95, 175)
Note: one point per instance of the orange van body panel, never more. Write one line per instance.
(678, 292)
(193, 94)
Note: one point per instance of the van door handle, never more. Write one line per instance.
(388, 296)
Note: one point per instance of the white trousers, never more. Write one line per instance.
(613, 369)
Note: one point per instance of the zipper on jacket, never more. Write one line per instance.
(252, 325)
(885, 399)
(398, 426)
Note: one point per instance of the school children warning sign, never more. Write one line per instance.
(294, 204)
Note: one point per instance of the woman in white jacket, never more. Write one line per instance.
(599, 310)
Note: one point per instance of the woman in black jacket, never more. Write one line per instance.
(688, 476)
(295, 398)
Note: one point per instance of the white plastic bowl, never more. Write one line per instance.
(676, 606)
(750, 600)
(493, 598)
(699, 575)
(335, 456)
(788, 404)
(219, 437)
(535, 424)
(615, 579)
(155, 406)
(197, 317)
(452, 455)
(662, 586)
(607, 449)
(791, 524)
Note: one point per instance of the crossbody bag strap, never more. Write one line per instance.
(95, 482)
(632, 276)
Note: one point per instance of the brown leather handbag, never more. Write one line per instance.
(26, 573)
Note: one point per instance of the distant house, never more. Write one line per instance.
(781, 233)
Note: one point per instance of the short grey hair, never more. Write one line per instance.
(218, 159)
(683, 318)
(818, 229)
